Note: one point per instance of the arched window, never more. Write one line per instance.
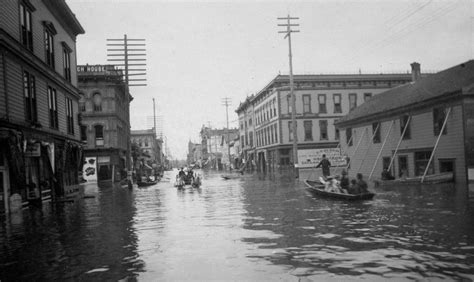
(99, 135)
(97, 98)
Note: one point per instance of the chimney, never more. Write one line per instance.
(415, 71)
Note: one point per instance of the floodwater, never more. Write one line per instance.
(251, 228)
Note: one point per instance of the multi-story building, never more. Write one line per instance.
(40, 151)
(194, 153)
(320, 101)
(421, 127)
(214, 146)
(150, 148)
(246, 132)
(105, 121)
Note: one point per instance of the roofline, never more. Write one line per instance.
(61, 7)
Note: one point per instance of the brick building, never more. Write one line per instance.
(105, 120)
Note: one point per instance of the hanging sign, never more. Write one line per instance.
(312, 157)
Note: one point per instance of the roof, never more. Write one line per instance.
(430, 87)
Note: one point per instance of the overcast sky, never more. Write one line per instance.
(201, 51)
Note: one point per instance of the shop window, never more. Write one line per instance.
(421, 161)
(323, 130)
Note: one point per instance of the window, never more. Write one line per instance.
(349, 136)
(82, 106)
(49, 33)
(272, 137)
(405, 123)
(308, 130)
(69, 116)
(288, 98)
(26, 25)
(99, 135)
(276, 133)
(290, 131)
(246, 139)
(322, 103)
(250, 121)
(337, 103)
(242, 140)
(439, 115)
(367, 96)
(67, 62)
(336, 134)
(323, 130)
(241, 126)
(306, 104)
(146, 142)
(97, 102)
(29, 91)
(251, 139)
(376, 132)
(53, 107)
(403, 166)
(421, 161)
(352, 100)
(83, 133)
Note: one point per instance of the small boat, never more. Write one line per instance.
(443, 177)
(316, 188)
(147, 183)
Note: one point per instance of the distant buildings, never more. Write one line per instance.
(40, 149)
(406, 123)
(214, 144)
(105, 121)
(151, 150)
(265, 118)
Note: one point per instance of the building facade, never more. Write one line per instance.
(246, 133)
(150, 149)
(40, 151)
(105, 120)
(320, 101)
(422, 127)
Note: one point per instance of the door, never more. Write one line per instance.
(403, 167)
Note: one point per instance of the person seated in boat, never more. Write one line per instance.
(190, 174)
(354, 188)
(181, 173)
(362, 184)
(386, 175)
(344, 180)
(332, 185)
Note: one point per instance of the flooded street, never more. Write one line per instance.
(254, 227)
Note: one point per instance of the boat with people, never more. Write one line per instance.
(187, 179)
(319, 189)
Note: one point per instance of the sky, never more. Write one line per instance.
(199, 52)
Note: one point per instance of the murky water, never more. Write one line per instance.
(259, 228)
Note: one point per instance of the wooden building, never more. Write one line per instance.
(421, 128)
(40, 152)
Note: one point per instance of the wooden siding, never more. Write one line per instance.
(3, 110)
(15, 91)
(10, 18)
(451, 146)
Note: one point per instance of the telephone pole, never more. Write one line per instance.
(125, 52)
(226, 102)
(288, 32)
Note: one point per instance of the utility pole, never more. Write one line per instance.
(226, 102)
(288, 32)
(123, 51)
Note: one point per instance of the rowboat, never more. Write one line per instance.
(443, 177)
(316, 188)
(147, 183)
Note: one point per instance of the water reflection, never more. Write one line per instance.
(86, 239)
(252, 228)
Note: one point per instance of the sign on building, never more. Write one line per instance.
(312, 157)
(89, 170)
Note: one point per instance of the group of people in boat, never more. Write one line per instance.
(188, 177)
(341, 184)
